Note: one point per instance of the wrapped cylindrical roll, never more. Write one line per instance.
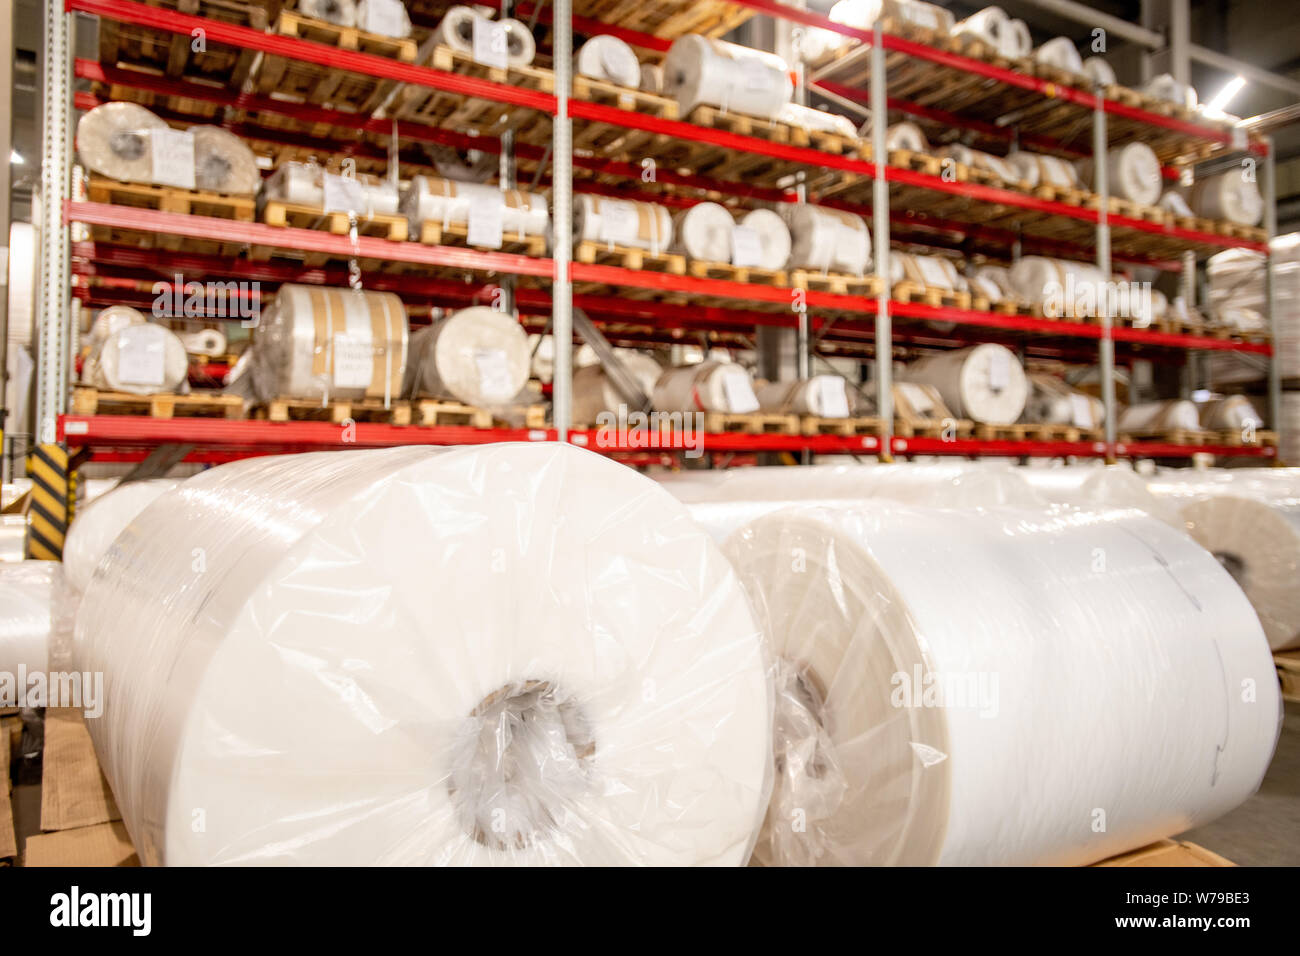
(824, 396)
(1037, 168)
(1250, 520)
(205, 342)
(1174, 202)
(935, 272)
(34, 612)
(97, 526)
(909, 733)
(652, 77)
(1165, 87)
(828, 240)
(1094, 488)
(984, 383)
(1061, 53)
(606, 57)
(703, 71)
(223, 163)
(994, 282)
(456, 30)
(479, 356)
(622, 222)
(113, 319)
(462, 165)
(1132, 172)
(703, 232)
(392, 657)
(1096, 69)
(707, 387)
(385, 17)
(994, 165)
(1052, 402)
(341, 12)
(140, 359)
(594, 392)
(772, 239)
(992, 26)
(864, 13)
(321, 343)
(13, 538)
(304, 183)
(1164, 415)
(113, 140)
(906, 136)
(1235, 412)
(429, 198)
(805, 117)
(1231, 196)
(1061, 287)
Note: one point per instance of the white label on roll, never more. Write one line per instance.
(342, 194)
(932, 272)
(486, 215)
(619, 222)
(739, 394)
(490, 46)
(999, 370)
(494, 374)
(385, 17)
(141, 362)
(171, 152)
(834, 397)
(1081, 410)
(746, 247)
(354, 361)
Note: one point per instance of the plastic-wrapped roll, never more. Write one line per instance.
(13, 538)
(936, 272)
(906, 136)
(594, 392)
(304, 183)
(622, 222)
(141, 359)
(463, 166)
(1133, 173)
(652, 77)
(703, 71)
(828, 240)
(1234, 412)
(994, 165)
(1052, 402)
(113, 140)
(1015, 41)
(1095, 488)
(606, 57)
(1099, 71)
(1229, 196)
(703, 232)
(34, 612)
(1043, 282)
(995, 282)
(444, 201)
(1036, 168)
(805, 117)
(1250, 521)
(315, 342)
(707, 387)
(479, 356)
(223, 163)
(456, 30)
(773, 237)
(1163, 415)
(864, 13)
(1061, 53)
(1165, 87)
(909, 733)
(342, 12)
(1173, 202)
(825, 396)
(97, 526)
(113, 319)
(984, 383)
(385, 17)
(205, 342)
(391, 657)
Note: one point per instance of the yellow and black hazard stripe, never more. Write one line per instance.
(47, 515)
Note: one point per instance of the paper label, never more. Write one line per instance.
(999, 370)
(933, 273)
(486, 215)
(385, 17)
(171, 152)
(739, 394)
(834, 397)
(746, 247)
(490, 47)
(1080, 411)
(494, 374)
(342, 194)
(354, 361)
(619, 222)
(140, 360)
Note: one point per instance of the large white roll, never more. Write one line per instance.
(1037, 168)
(912, 725)
(97, 526)
(456, 30)
(703, 71)
(1133, 173)
(113, 319)
(113, 140)
(828, 240)
(1052, 402)
(606, 57)
(707, 387)
(385, 17)
(622, 222)
(304, 183)
(33, 609)
(805, 117)
(1162, 415)
(1165, 87)
(1234, 412)
(994, 165)
(1100, 487)
(773, 237)
(593, 392)
(1096, 69)
(447, 202)
(984, 383)
(1058, 285)
(1229, 196)
(314, 342)
(1250, 520)
(512, 654)
(906, 136)
(992, 26)
(935, 272)
(825, 396)
(223, 163)
(140, 359)
(341, 12)
(703, 232)
(479, 356)
(1061, 53)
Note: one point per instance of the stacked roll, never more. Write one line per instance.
(1132, 172)
(1038, 168)
(606, 57)
(993, 282)
(429, 198)
(305, 184)
(34, 614)
(141, 359)
(223, 163)
(1158, 416)
(594, 391)
(707, 387)
(771, 242)
(701, 71)
(457, 28)
(993, 165)
(1231, 413)
(828, 240)
(1164, 87)
(622, 222)
(1060, 287)
(933, 272)
(703, 232)
(984, 383)
(822, 396)
(993, 27)
(98, 524)
(1053, 402)
(478, 356)
(597, 695)
(113, 140)
(1060, 53)
(1231, 196)
(111, 320)
(1237, 300)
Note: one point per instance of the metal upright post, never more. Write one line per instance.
(1106, 360)
(1270, 288)
(880, 245)
(506, 171)
(53, 313)
(562, 200)
(6, 147)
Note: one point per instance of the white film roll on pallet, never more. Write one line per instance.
(824, 396)
(606, 57)
(1230, 196)
(111, 320)
(773, 237)
(1159, 416)
(304, 183)
(98, 524)
(622, 222)
(707, 387)
(113, 140)
(447, 202)
(1133, 173)
(479, 356)
(141, 359)
(1060, 52)
(702, 71)
(456, 30)
(223, 163)
(984, 383)
(828, 240)
(593, 392)
(977, 692)
(1096, 69)
(703, 232)
(34, 612)
(512, 654)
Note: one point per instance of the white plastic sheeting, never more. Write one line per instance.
(34, 617)
(98, 524)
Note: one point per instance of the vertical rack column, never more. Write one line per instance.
(1106, 345)
(562, 216)
(1270, 288)
(880, 245)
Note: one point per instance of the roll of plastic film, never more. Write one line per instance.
(823, 396)
(906, 733)
(622, 222)
(111, 320)
(608, 58)
(1160, 416)
(592, 696)
(707, 387)
(703, 232)
(479, 356)
(304, 183)
(34, 609)
(594, 392)
(1231, 196)
(827, 240)
(703, 71)
(223, 163)
(1133, 173)
(1234, 412)
(456, 30)
(113, 140)
(1060, 52)
(985, 383)
(140, 359)
(428, 198)
(97, 526)
(773, 238)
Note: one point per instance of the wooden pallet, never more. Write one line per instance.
(337, 411)
(725, 270)
(1143, 101)
(1126, 207)
(455, 111)
(93, 401)
(193, 202)
(908, 291)
(1066, 195)
(923, 163)
(933, 427)
(1014, 432)
(668, 19)
(1234, 437)
(611, 94)
(839, 283)
(752, 423)
(1168, 853)
(774, 131)
(1288, 674)
(1042, 431)
(590, 251)
(431, 412)
(1169, 436)
(437, 233)
(848, 427)
(173, 55)
(277, 212)
(291, 23)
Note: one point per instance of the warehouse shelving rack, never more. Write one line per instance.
(632, 306)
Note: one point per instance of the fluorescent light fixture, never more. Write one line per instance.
(16, 158)
(1225, 95)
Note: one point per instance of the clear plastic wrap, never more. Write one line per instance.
(113, 140)
(95, 527)
(142, 359)
(980, 687)
(736, 79)
(985, 383)
(509, 654)
(1092, 487)
(478, 355)
(35, 621)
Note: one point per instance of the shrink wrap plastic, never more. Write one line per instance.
(315, 342)
(447, 202)
(906, 733)
(773, 237)
(1010, 38)
(1100, 487)
(111, 320)
(1096, 69)
(144, 359)
(1052, 402)
(223, 163)
(113, 140)
(906, 136)
(13, 538)
(703, 71)
(984, 383)
(593, 392)
(828, 240)
(1160, 416)
(304, 183)
(98, 524)
(35, 619)
(703, 232)
(622, 222)
(825, 396)
(707, 387)
(1250, 520)
(1229, 195)
(1133, 173)
(456, 30)
(478, 355)
(512, 654)
(606, 57)
(1061, 53)
(341, 12)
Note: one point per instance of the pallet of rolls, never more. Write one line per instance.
(433, 412)
(278, 212)
(667, 18)
(338, 411)
(920, 412)
(87, 400)
(751, 423)
(192, 202)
